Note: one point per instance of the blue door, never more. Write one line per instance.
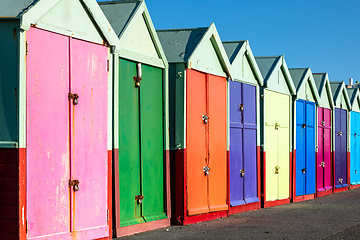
(243, 161)
(305, 148)
(355, 148)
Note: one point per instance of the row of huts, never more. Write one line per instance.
(109, 127)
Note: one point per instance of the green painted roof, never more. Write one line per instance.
(119, 13)
(15, 8)
(232, 49)
(297, 75)
(352, 94)
(335, 89)
(267, 65)
(319, 79)
(179, 44)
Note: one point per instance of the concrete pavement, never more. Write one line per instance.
(335, 216)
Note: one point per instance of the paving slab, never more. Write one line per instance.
(336, 216)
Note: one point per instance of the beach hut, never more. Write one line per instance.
(198, 83)
(244, 110)
(342, 108)
(276, 102)
(324, 156)
(141, 145)
(354, 96)
(55, 146)
(304, 170)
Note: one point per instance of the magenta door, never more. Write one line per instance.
(324, 166)
(66, 141)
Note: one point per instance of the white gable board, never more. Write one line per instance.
(61, 19)
(277, 82)
(205, 59)
(305, 92)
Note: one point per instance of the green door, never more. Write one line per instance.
(141, 161)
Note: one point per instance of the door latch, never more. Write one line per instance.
(304, 125)
(74, 184)
(241, 107)
(277, 169)
(206, 170)
(341, 180)
(137, 81)
(354, 134)
(74, 97)
(242, 172)
(139, 199)
(303, 170)
(323, 123)
(340, 133)
(277, 125)
(205, 118)
(355, 171)
(322, 164)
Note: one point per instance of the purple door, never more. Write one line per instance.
(340, 148)
(243, 166)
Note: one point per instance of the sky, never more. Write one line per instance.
(321, 34)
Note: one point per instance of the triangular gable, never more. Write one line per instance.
(324, 90)
(199, 48)
(137, 36)
(305, 85)
(354, 95)
(243, 63)
(81, 19)
(276, 74)
(341, 98)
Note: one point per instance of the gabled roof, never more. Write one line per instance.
(300, 76)
(269, 65)
(180, 45)
(15, 8)
(236, 49)
(338, 88)
(354, 95)
(31, 11)
(123, 16)
(322, 83)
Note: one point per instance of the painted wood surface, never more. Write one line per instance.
(305, 147)
(65, 141)
(324, 162)
(141, 161)
(277, 138)
(243, 132)
(206, 143)
(355, 148)
(340, 148)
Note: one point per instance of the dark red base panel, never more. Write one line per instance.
(244, 208)
(336, 190)
(276, 203)
(303, 198)
(324, 193)
(355, 186)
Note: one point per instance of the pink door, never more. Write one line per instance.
(66, 141)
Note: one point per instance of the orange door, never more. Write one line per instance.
(197, 194)
(217, 143)
(206, 142)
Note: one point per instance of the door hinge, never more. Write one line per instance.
(27, 228)
(107, 215)
(108, 65)
(26, 48)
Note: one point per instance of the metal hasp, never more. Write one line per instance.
(277, 169)
(74, 184)
(322, 164)
(304, 125)
(74, 97)
(139, 199)
(137, 81)
(206, 170)
(205, 118)
(241, 107)
(341, 180)
(303, 170)
(322, 123)
(277, 125)
(242, 172)
(340, 133)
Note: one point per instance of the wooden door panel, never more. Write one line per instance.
(89, 157)
(217, 143)
(129, 145)
(48, 155)
(197, 184)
